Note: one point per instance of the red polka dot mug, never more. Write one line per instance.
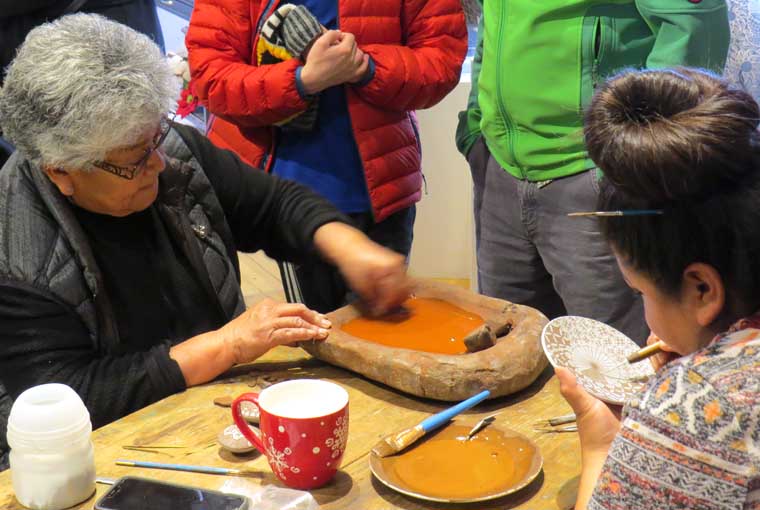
(304, 429)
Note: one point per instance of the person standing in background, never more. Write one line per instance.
(372, 66)
(536, 67)
(17, 18)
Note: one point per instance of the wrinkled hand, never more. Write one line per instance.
(268, 324)
(333, 59)
(597, 422)
(378, 275)
(660, 359)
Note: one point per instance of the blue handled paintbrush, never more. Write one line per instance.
(394, 443)
(211, 470)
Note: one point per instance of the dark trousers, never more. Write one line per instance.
(320, 285)
(6, 149)
(530, 252)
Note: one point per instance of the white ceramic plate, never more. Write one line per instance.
(384, 467)
(596, 354)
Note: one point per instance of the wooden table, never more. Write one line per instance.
(192, 420)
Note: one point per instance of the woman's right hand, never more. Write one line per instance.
(268, 324)
(660, 359)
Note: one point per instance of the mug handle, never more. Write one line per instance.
(242, 425)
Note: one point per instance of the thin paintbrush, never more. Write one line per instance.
(394, 443)
(212, 470)
(641, 354)
(645, 352)
(628, 212)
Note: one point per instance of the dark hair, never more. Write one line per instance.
(683, 141)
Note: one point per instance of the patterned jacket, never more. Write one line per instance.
(417, 47)
(692, 441)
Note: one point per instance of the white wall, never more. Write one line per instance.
(443, 234)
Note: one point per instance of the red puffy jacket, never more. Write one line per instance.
(417, 46)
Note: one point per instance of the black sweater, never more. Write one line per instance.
(18, 17)
(42, 341)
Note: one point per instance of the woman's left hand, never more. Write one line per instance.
(376, 273)
(598, 423)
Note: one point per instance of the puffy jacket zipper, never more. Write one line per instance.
(353, 131)
(419, 146)
(508, 122)
(267, 161)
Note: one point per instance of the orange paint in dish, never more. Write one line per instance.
(427, 324)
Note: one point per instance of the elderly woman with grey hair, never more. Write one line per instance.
(119, 230)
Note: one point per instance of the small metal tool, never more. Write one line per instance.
(480, 426)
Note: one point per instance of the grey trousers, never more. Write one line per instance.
(530, 252)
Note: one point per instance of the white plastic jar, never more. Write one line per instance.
(51, 458)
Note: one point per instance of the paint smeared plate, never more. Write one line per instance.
(596, 354)
(446, 467)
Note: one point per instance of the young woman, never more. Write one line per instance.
(684, 142)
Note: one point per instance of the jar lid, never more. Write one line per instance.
(47, 411)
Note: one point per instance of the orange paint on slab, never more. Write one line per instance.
(449, 466)
(429, 325)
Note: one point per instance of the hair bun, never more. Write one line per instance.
(672, 134)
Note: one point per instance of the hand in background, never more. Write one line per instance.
(361, 71)
(268, 324)
(333, 59)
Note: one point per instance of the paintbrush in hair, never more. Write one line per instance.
(627, 212)
(390, 445)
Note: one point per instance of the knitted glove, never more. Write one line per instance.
(286, 34)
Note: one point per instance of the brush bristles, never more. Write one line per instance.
(394, 443)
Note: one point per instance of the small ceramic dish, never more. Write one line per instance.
(596, 354)
(448, 468)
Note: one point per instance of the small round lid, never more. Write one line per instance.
(47, 410)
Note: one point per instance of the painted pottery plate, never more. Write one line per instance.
(596, 354)
(446, 467)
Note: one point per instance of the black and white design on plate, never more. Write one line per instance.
(596, 354)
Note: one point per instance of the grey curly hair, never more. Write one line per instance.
(81, 86)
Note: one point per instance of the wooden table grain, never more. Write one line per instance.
(190, 419)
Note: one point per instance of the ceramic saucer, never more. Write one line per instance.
(231, 439)
(448, 468)
(596, 354)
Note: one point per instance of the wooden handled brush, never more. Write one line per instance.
(394, 443)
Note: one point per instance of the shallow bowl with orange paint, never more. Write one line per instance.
(423, 324)
(446, 467)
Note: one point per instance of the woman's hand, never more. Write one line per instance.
(245, 338)
(333, 59)
(598, 424)
(376, 273)
(268, 324)
(660, 359)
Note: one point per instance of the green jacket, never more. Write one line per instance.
(538, 62)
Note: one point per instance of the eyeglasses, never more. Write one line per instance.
(130, 172)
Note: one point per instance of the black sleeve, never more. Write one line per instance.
(263, 212)
(50, 8)
(42, 341)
